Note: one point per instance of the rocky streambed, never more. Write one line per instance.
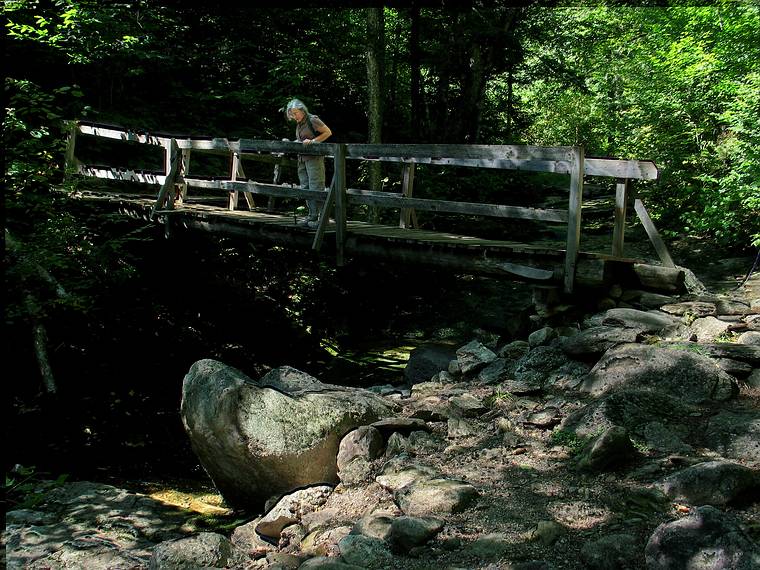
(627, 437)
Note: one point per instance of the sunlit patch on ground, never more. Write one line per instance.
(206, 504)
(579, 515)
(201, 499)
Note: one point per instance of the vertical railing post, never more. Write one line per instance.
(408, 215)
(71, 161)
(232, 203)
(165, 198)
(341, 202)
(275, 180)
(574, 217)
(237, 170)
(184, 170)
(621, 205)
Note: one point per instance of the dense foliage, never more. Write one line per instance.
(677, 85)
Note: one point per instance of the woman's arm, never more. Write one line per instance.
(323, 133)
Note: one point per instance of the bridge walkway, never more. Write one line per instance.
(211, 204)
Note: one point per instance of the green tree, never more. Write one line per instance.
(674, 85)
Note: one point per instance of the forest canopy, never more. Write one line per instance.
(679, 85)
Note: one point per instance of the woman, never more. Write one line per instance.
(310, 129)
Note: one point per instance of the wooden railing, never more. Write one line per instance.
(175, 180)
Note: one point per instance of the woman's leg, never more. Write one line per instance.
(303, 180)
(316, 175)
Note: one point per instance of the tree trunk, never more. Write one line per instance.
(375, 56)
(472, 104)
(40, 351)
(510, 102)
(483, 59)
(414, 65)
(39, 332)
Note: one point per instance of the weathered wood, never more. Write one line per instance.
(276, 176)
(568, 160)
(278, 191)
(407, 215)
(574, 218)
(660, 278)
(341, 202)
(462, 253)
(654, 235)
(517, 157)
(234, 169)
(621, 205)
(448, 259)
(121, 134)
(121, 174)
(556, 166)
(295, 237)
(615, 168)
(237, 171)
(184, 170)
(395, 200)
(71, 162)
(324, 218)
(591, 272)
(393, 235)
(459, 151)
(315, 149)
(275, 159)
(166, 192)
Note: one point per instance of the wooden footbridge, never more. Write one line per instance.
(176, 198)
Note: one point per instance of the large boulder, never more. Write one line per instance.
(688, 376)
(645, 321)
(596, 340)
(262, 439)
(634, 410)
(205, 550)
(716, 483)
(426, 361)
(707, 539)
(735, 435)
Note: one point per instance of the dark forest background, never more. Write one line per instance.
(103, 316)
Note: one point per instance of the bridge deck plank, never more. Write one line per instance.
(360, 230)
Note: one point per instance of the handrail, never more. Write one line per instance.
(511, 157)
(571, 161)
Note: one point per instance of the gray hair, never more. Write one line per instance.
(295, 104)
